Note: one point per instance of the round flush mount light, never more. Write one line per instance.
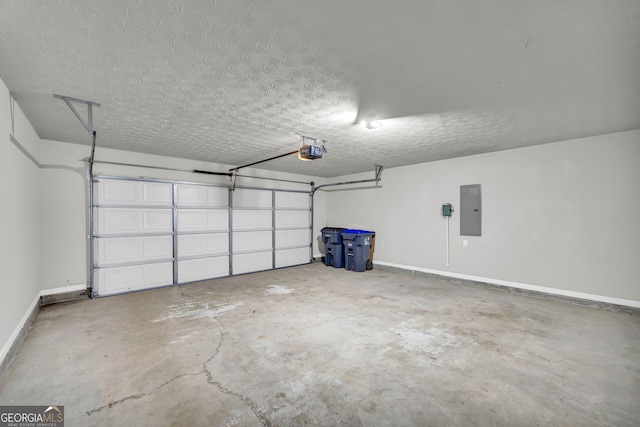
(371, 124)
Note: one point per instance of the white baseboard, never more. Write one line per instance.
(16, 332)
(543, 289)
(23, 324)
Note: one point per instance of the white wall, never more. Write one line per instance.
(63, 244)
(562, 216)
(19, 225)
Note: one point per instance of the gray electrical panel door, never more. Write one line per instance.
(470, 210)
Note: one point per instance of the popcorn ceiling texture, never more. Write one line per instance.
(233, 81)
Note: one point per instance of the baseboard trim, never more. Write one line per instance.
(17, 337)
(581, 298)
(44, 297)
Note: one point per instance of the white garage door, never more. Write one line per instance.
(149, 234)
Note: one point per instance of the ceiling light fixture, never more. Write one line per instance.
(371, 124)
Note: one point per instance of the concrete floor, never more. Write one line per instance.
(314, 345)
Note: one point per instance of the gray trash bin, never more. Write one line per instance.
(357, 248)
(333, 249)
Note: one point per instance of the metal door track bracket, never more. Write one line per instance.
(88, 125)
(378, 172)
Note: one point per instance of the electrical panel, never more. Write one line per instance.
(470, 210)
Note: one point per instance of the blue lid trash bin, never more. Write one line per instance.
(358, 249)
(333, 248)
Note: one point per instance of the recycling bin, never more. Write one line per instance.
(357, 249)
(333, 248)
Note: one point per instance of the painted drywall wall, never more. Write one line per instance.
(63, 239)
(561, 215)
(64, 199)
(19, 226)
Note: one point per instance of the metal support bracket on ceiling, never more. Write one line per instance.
(378, 172)
(235, 177)
(88, 125)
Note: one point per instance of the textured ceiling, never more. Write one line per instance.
(233, 81)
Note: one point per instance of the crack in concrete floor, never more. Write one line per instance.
(204, 371)
(244, 399)
(140, 395)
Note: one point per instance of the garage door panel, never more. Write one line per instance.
(291, 200)
(120, 192)
(249, 198)
(157, 193)
(292, 219)
(134, 221)
(190, 220)
(203, 268)
(289, 238)
(251, 219)
(158, 246)
(252, 241)
(202, 196)
(248, 263)
(202, 244)
(134, 249)
(125, 279)
(157, 221)
(295, 256)
(139, 193)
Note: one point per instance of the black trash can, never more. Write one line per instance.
(357, 249)
(333, 249)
